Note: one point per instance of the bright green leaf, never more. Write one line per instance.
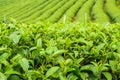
(24, 64)
(86, 67)
(4, 56)
(39, 43)
(59, 52)
(72, 77)
(2, 76)
(107, 75)
(2, 48)
(51, 71)
(15, 38)
(61, 76)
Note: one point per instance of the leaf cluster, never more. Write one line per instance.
(47, 51)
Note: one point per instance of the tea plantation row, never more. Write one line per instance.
(31, 11)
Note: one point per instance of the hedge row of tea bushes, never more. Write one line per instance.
(39, 10)
(45, 51)
(22, 10)
(70, 13)
(29, 9)
(58, 14)
(113, 10)
(11, 6)
(61, 10)
(83, 14)
(13, 9)
(51, 11)
(98, 12)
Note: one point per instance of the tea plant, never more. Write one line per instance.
(46, 51)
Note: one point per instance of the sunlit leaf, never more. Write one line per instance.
(15, 37)
(39, 43)
(59, 52)
(107, 75)
(86, 67)
(4, 56)
(2, 76)
(51, 71)
(24, 64)
(61, 76)
(2, 48)
(72, 77)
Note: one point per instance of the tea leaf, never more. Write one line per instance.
(12, 72)
(72, 77)
(69, 62)
(1, 48)
(59, 52)
(79, 60)
(4, 56)
(15, 38)
(99, 47)
(86, 67)
(83, 75)
(39, 43)
(61, 76)
(24, 64)
(107, 75)
(2, 76)
(51, 71)
(113, 65)
(16, 58)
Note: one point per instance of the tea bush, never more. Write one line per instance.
(45, 51)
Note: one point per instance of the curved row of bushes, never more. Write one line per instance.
(58, 14)
(112, 10)
(83, 14)
(3, 3)
(24, 10)
(51, 11)
(98, 14)
(76, 11)
(38, 11)
(70, 13)
(42, 11)
(9, 8)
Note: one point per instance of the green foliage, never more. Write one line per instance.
(46, 51)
